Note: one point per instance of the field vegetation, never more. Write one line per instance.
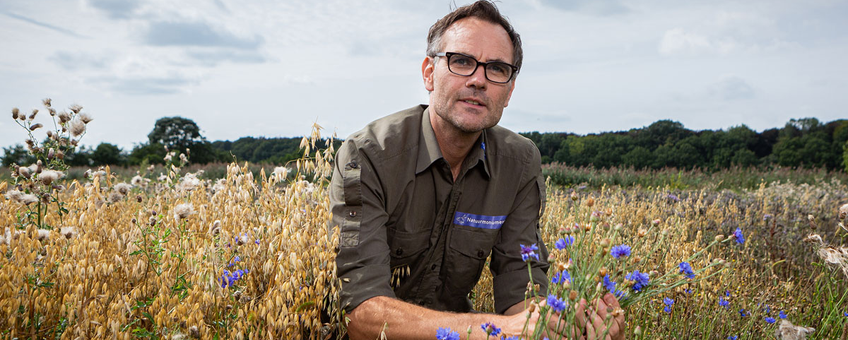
(175, 251)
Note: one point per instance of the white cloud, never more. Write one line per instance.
(676, 41)
(732, 87)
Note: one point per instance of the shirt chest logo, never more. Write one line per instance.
(478, 221)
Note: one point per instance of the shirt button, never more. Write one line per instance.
(480, 253)
(399, 251)
(352, 213)
(433, 267)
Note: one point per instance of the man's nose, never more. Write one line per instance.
(478, 78)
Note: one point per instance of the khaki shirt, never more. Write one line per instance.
(409, 231)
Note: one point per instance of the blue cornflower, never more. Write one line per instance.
(514, 337)
(846, 314)
(738, 236)
(620, 251)
(673, 197)
(742, 313)
(724, 303)
(491, 329)
(557, 304)
(529, 251)
(733, 337)
(560, 278)
(770, 319)
(564, 242)
(640, 280)
(686, 269)
(668, 303)
(610, 286)
(257, 242)
(727, 293)
(767, 309)
(446, 334)
(782, 315)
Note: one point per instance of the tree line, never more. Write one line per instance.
(805, 142)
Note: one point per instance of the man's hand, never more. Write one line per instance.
(591, 322)
(603, 312)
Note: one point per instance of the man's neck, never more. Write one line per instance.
(454, 144)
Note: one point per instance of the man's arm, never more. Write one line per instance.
(407, 321)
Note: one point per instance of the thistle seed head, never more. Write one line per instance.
(15, 113)
(85, 117)
(46, 102)
(64, 117)
(75, 108)
(32, 116)
(77, 127)
(184, 210)
(35, 126)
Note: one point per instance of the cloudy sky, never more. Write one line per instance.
(272, 68)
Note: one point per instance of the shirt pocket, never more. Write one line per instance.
(469, 249)
(406, 247)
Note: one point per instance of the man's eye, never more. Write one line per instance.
(461, 61)
(498, 68)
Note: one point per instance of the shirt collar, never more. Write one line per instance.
(429, 151)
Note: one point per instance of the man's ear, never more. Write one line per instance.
(509, 95)
(427, 69)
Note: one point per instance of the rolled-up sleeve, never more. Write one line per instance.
(362, 263)
(521, 227)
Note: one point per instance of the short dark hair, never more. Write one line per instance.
(482, 9)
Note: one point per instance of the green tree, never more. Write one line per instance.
(17, 154)
(107, 154)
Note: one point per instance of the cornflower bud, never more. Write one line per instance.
(603, 272)
(605, 242)
(574, 196)
(587, 227)
(719, 237)
(655, 222)
(638, 330)
(641, 232)
(51, 153)
(590, 202)
(572, 295)
(618, 227)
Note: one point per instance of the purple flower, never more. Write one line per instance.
(686, 269)
(529, 251)
(610, 286)
(640, 280)
(673, 197)
(782, 315)
(620, 251)
(491, 329)
(557, 304)
(560, 278)
(668, 303)
(724, 303)
(564, 242)
(446, 334)
(770, 319)
(738, 236)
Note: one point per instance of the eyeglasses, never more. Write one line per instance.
(465, 65)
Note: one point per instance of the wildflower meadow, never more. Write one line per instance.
(168, 252)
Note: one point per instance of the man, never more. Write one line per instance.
(424, 196)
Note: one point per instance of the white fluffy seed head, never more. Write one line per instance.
(77, 127)
(184, 210)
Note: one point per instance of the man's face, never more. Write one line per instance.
(469, 103)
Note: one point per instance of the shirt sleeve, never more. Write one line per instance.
(362, 263)
(521, 228)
